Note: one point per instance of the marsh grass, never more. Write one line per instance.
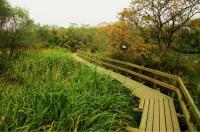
(48, 90)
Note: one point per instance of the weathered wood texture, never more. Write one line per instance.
(191, 113)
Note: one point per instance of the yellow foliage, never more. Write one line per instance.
(124, 40)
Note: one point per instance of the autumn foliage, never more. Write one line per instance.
(125, 43)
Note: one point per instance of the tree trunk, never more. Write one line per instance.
(163, 54)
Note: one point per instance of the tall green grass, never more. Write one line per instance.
(48, 90)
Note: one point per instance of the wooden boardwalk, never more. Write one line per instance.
(158, 111)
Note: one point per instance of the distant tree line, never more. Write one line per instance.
(146, 27)
(18, 32)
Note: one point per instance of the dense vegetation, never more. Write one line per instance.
(48, 90)
(34, 82)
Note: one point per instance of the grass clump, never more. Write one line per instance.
(48, 90)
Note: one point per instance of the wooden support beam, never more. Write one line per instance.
(130, 129)
(137, 110)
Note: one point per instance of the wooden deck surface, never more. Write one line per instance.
(158, 111)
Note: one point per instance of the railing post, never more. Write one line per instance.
(141, 74)
(155, 77)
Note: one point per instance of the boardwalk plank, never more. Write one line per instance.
(168, 117)
(158, 109)
(162, 116)
(137, 86)
(174, 116)
(144, 115)
(156, 122)
(150, 119)
(149, 93)
(141, 105)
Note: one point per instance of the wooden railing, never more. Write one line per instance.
(188, 107)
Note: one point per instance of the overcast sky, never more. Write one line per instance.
(64, 12)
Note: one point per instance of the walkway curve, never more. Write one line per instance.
(158, 111)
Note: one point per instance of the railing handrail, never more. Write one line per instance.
(183, 88)
(190, 100)
(167, 75)
(170, 87)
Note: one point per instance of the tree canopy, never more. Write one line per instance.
(164, 17)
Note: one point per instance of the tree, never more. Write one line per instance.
(21, 31)
(44, 35)
(5, 13)
(17, 30)
(125, 43)
(164, 17)
(191, 43)
(120, 36)
(5, 16)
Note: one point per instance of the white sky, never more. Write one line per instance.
(64, 12)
